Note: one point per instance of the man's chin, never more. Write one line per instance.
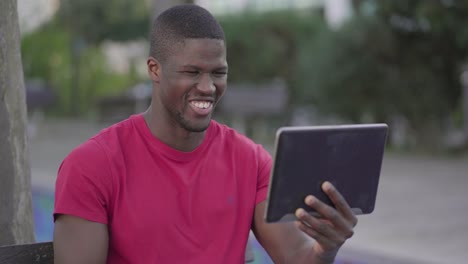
(197, 127)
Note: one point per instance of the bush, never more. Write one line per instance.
(47, 56)
(265, 46)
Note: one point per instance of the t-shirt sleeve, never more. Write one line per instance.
(263, 177)
(83, 185)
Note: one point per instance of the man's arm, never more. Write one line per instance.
(79, 241)
(292, 242)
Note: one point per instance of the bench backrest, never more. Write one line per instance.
(36, 253)
(43, 253)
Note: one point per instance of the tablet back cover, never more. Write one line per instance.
(349, 156)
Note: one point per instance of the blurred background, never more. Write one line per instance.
(291, 62)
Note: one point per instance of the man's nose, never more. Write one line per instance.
(206, 84)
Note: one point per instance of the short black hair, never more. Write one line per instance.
(181, 22)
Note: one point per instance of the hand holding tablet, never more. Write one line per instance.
(332, 228)
(348, 156)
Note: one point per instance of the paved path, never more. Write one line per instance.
(421, 214)
(421, 211)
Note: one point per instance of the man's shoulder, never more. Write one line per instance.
(240, 147)
(108, 138)
(231, 137)
(117, 131)
(228, 133)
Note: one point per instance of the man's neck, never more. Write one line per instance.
(171, 133)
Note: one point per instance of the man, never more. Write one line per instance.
(173, 186)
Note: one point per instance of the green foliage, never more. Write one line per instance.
(345, 73)
(98, 20)
(394, 58)
(265, 46)
(65, 53)
(404, 59)
(47, 55)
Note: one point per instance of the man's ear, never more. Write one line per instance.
(154, 69)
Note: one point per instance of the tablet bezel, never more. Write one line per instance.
(379, 133)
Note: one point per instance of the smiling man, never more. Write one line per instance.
(171, 185)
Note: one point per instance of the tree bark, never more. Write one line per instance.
(16, 221)
(464, 81)
(465, 114)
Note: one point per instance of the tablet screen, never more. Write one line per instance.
(348, 156)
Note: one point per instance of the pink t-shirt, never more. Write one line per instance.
(162, 205)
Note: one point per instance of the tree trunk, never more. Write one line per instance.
(464, 81)
(16, 221)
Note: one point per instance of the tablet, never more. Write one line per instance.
(348, 156)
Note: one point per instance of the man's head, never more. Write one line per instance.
(188, 67)
(178, 23)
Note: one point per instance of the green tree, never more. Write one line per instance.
(265, 46)
(90, 22)
(66, 52)
(93, 21)
(395, 58)
(47, 56)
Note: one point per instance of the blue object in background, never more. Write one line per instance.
(43, 208)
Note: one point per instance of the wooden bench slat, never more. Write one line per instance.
(43, 253)
(36, 253)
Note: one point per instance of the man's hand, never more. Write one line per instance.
(293, 242)
(333, 228)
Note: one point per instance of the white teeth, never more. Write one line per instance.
(202, 105)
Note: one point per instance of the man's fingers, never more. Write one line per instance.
(319, 238)
(334, 226)
(315, 224)
(329, 213)
(319, 229)
(339, 202)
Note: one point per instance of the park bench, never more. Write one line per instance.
(35, 253)
(43, 253)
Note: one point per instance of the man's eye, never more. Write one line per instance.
(191, 72)
(220, 74)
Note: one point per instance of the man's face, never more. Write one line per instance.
(192, 80)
